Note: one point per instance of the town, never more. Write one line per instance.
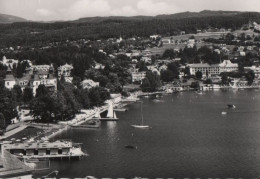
(64, 83)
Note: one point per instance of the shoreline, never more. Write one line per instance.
(88, 114)
(82, 118)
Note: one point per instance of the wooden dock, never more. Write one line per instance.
(92, 123)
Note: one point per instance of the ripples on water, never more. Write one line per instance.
(189, 138)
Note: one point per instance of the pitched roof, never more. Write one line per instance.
(9, 77)
(12, 166)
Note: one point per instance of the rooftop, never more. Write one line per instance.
(37, 145)
(12, 166)
(9, 77)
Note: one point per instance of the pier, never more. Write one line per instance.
(44, 149)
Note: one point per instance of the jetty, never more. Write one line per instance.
(92, 123)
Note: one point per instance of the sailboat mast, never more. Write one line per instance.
(142, 113)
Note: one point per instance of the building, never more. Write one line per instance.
(99, 66)
(214, 69)
(256, 26)
(43, 78)
(12, 167)
(255, 69)
(41, 67)
(228, 66)
(119, 40)
(9, 62)
(146, 60)
(88, 83)
(57, 149)
(166, 41)
(32, 80)
(154, 37)
(242, 54)
(154, 69)
(65, 71)
(10, 81)
(138, 76)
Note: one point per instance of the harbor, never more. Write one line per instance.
(217, 141)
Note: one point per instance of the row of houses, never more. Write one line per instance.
(206, 69)
(36, 75)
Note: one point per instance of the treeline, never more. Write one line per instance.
(68, 101)
(46, 105)
(20, 33)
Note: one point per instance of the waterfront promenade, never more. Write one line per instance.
(51, 130)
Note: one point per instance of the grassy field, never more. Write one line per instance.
(199, 36)
(28, 133)
(160, 50)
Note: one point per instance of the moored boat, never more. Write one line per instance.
(130, 147)
(231, 106)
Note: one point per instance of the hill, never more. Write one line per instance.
(4, 18)
(22, 33)
(182, 15)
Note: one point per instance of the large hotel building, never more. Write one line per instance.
(214, 69)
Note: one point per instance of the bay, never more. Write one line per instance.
(189, 138)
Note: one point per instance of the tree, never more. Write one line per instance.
(7, 105)
(195, 85)
(187, 71)
(27, 94)
(41, 90)
(173, 67)
(224, 79)
(198, 74)
(2, 121)
(142, 66)
(17, 93)
(167, 76)
(168, 53)
(250, 76)
(151, 82)
(98, 96)
(208, 81)
(44, 108)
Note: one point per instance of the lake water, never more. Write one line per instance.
(189, 138)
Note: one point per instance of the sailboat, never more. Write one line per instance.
(111, 114)
(142, 126)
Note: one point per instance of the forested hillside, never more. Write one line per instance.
(4, 18)
(37, 34)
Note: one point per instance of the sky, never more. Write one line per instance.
(49, 10)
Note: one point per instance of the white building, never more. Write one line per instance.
(227, 66)
(33, 81)
(138, 76)
(146, 60)
(214, 69)
(42, 67)
(65, 71)
(154, 37)
(88, 83)
(256, 26)
(9, 62)
(9, 81)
